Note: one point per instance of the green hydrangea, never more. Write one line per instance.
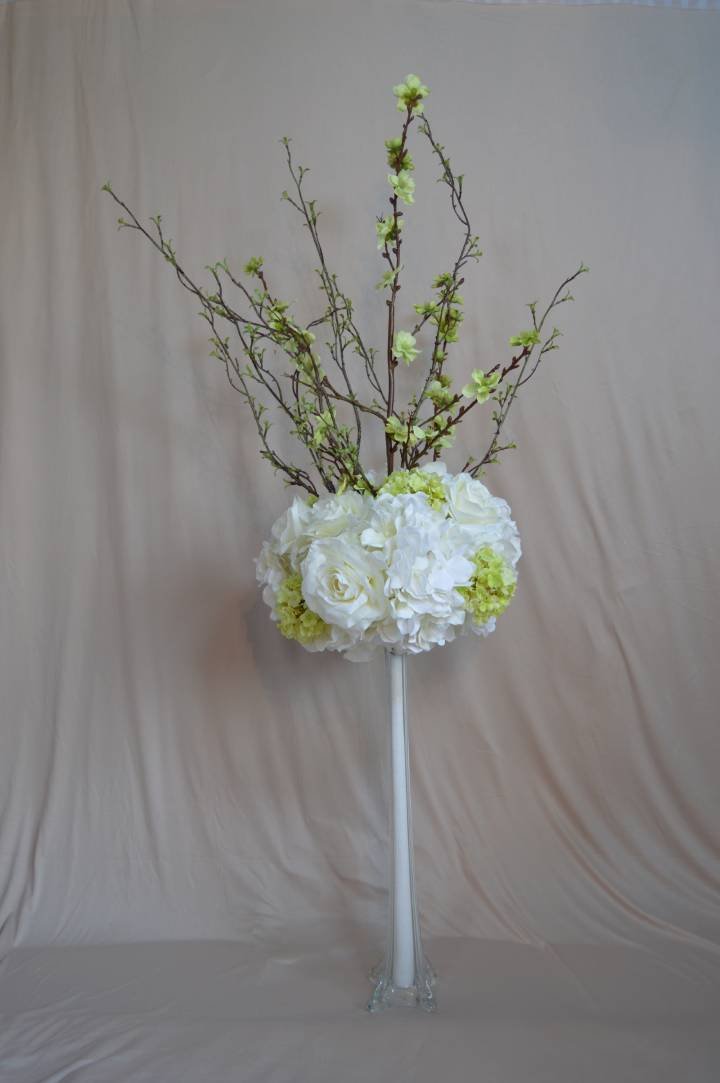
(295, 620)
(416, 481)
(491, 588)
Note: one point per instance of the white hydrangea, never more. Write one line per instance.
(430, 557)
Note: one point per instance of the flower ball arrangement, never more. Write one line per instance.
(432, 556)
(411, 556)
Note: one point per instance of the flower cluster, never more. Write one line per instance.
(430, 557)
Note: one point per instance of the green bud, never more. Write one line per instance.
(525, 338)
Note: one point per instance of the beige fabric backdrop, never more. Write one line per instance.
(169, 766)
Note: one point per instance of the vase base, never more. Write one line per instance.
(387, 995)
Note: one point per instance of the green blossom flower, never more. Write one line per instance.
(387, 229)
(525, 338)
(303, 340)
(448, 323)
(403, 186)
(253, 266)
(448, 437)
(404, 346)
(398, 428)
(387, 279)
(295, 620)
(491, 588)
(398, 158)
(416, 481)
(481, 386)
(443, 280)
(410, 95)
(325, 422)
(309, 363)
(440, 393)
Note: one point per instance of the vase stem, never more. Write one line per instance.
(404, 976)
(403, 972)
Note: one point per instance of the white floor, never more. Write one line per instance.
(285, 1009)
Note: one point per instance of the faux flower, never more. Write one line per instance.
(388, 278)
(440, 394)
(410, 95)
(446, 430)
(303, 522)
(491, 588)
(416, 481)
(289, 532)
(485, 517)
(295, 620)
(426, 308)
(426, 563)
(387, 229)
(481, 386)
(344, 583)
(398, 429)
(398, 158)
(403, 186)
(430, 557)
(525, 338)
(253, 266)
(404, 346)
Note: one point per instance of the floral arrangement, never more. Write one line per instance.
(411, 556)
(431, 556)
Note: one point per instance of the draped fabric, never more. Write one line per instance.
(171, 768)
(688, 5)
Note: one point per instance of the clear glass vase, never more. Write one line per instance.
(404, 976)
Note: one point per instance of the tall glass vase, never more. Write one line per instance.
(404, 976)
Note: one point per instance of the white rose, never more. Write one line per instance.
(344, 583)
(289, 532)
(484, 516)
(328, 517)
(270, 572)
(339, 513)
